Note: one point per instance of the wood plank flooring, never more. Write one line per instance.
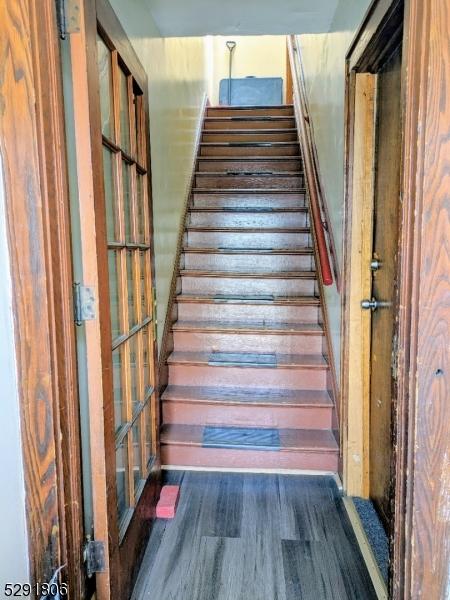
(254, 537)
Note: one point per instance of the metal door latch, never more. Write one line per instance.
(369, 304)
(84, 303)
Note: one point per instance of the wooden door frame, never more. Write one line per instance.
(419, 556)
(32, 144)
(95, 15)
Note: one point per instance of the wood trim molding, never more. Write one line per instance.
(303, 113)
(328, 349)
(171, 316)
(356, 329)
(32, 145)
(421, 551)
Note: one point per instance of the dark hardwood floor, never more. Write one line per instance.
(254, 537)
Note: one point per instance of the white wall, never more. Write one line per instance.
(13, 529)
(324, 64)
(260, 56)
(177, 72)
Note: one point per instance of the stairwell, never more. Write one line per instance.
(247, 377)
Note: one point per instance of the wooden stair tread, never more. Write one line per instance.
(256, 158)
(251, 118)
(266, 191)
(250, 275)
(250, 229)
(250, 210)
(252, 144)
(252, 107)
(252, 131)
(248, 174)
(311, 361)
(281, 300)
(237, 395)
(249, 326)
(257, 251)
(306, 440)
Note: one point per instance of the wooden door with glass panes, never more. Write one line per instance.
(126, 305)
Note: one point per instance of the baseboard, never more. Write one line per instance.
(366, 550)
(167, 338)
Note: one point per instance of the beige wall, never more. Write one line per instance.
(324, 65)
(261, 56)
(176, 69)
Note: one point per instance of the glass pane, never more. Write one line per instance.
(111, 215)
(114, 292)
(119, 405)
(105, 80)
(123, 501)
(146, 359)
(137, 462)
(137, 105)
(140, 208)
(124, 113)
(134, 380)
(148, 433)
(126, 183)
(132, 321)
(143, 274)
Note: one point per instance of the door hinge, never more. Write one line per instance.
(68, 17)
(83, 303)
(94, 557)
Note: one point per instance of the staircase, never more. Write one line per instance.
(247, 377)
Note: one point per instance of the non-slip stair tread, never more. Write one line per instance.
(249, 274)
(306, 440)
(247, 299)
(244, 360)
(260, 326)
(237, 395)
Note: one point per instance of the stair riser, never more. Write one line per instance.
(249, 136)
(284, 150)
(253, 220)
(250, 182)
(261, 240)
(247, 166)
(248, 262)
(246, 415)
(222, 311)
(245, 377)
(188, 341)
(273, 123)
(263, 111)
(261, 200)
(196, 456)
(245, 286)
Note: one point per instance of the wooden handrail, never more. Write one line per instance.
(302, 119)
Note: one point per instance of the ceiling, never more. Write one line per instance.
(241, 17)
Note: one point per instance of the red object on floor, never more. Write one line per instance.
(168, 502)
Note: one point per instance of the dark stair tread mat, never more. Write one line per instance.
(375, 533)
(242, 358)
(241, 438)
